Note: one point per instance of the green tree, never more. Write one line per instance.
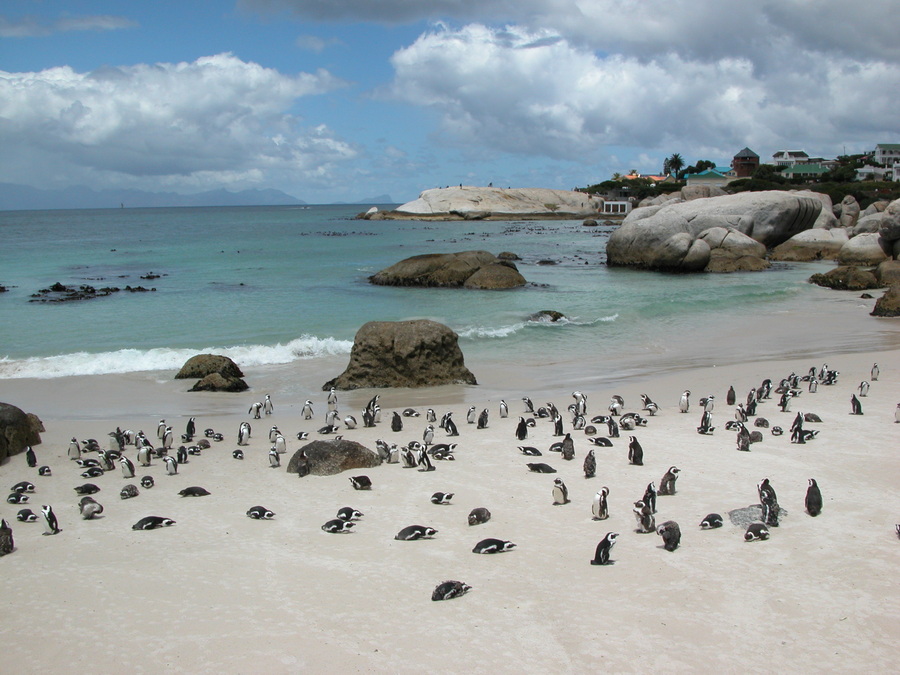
(673, 164)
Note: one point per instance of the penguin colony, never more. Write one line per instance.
(596, 448)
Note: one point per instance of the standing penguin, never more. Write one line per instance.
(396, 422)
(863, 388)
(171, 465)
(560, 492)
(855, 405)
(332, 399)
(650, 496)
(684, 403)
(30, 457)
(813, 498)
(600, 507)
(601, 555)
(483, 419)
(160, 429)
(428, 435)
(307, 411)
(450, 426)
(168, 438)
(730, 397)
(190, 429)
(504, 409)
(616, 404)
(769, 502)
(470, 415)
(644, 516)
(635, 452)
(876, 371)
(590, 464)
(74, 449)
(274, 459)
(568, 448)
(522, 429)
(244, 434)
(127, 467)
(7, 544)
(667, 482)
(268, 406)
(51, 525)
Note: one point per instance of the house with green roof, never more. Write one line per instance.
(708, 177)
(805, 171)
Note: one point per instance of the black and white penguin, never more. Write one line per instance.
(529, 450)
(447, 590)
(171, 465)
(361, 482)
(684, 403)
(7, 543)
(529, 406)
(730, 397)
(479, 516)
(450, 426)
(876, 371)
(580, 402)
(670, 533)
(238, 454)
(441, 497)
(601, 442)
(190, 429)
(268, 406)
(483, 419)
(616, 404)
(769, 502)
(635, 451)
(711, 522)
(431, 416)
(504, 409)
(23, 486)
(855, 405)
(863, 388)
(90, 508)
(144, 456)
(92, 472)
(667, 482)
(407, 457)
(349, 513)
(338, 526)
(152, 523)
(51, 525)
(521, 429)
(540, 467)
(280, 444)
(87, 489)
(260, 513)
(127, 467)
(428, 435)
(612, 427)
(560, 492)
(643, 514)
(147, 482)
(17, 498)
(424, 461)
(493, 546)
(274, 459)
(195, 491)
(181, 455)
(756, 532)
(471, 415)
(649, 405)
(557, 425)
(129, 491)
(30, 457)
(26, 516)
(414, 532)
(600, 505)
(45, 471)
(396, 422)
(897, 414)
(590, 464)
(244, 431)
(813, 498)
(650, 496)
(255, 409)
(74, 451)
(567, 448)
(706, 427)
(160, 429)
(306, 412)
(168, 438)
(601, 554)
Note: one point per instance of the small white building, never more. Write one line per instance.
(789, 158)
(616, 208)
(887, 154)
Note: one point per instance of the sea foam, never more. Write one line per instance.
(136, 360)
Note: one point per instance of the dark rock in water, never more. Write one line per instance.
(547, 315)
(469, 269)
(205, 364)
(61, 293)
(418, 353)
(889, 303)
(327, 458)
(506, 255)
(215, 373)
(846, 278)
(18, 430)
(589, 222)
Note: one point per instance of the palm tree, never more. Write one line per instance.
(617, 176)
(675, 163)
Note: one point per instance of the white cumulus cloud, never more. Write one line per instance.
(216, 117)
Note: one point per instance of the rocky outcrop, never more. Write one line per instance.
(692, 192)
(18, 430)
(888, 305)
(467, 269)
(547, 316)
(327, 458)
(863, 249)
(826, 219)
(809, 245)
(888, 273)
(668, 237)
(214, 373)
(418, 353)
(846, 278)
(731, 251)
(849, 211)
(466, 202)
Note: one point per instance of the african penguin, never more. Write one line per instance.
(414, 532)
(600, 507)
(813, 498)
(671, 534)
(493, 546)
(51, 525)
(601, 555)
(447, 590)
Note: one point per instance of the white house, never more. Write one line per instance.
(789, 158)
(887, 154)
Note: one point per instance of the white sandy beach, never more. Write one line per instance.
(219, 592)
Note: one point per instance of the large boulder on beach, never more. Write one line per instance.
(473, 203)
(418, 353)
(18, 430)
(849, 211)
(888, 272)
(809, 245)
(327, 458)
(863, 249)
(668, 237)
(213, 373)
(846, 278)
(465, 269)
(888, 305)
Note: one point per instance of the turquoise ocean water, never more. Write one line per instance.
(282, 286)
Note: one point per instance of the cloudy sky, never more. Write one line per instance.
(337, 100)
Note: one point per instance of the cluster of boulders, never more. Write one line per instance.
(419, 353)
(18, 430)
(61, 293)
(327, 458)
(213, 372)
(467, 269)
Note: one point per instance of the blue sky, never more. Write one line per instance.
(336, 100)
